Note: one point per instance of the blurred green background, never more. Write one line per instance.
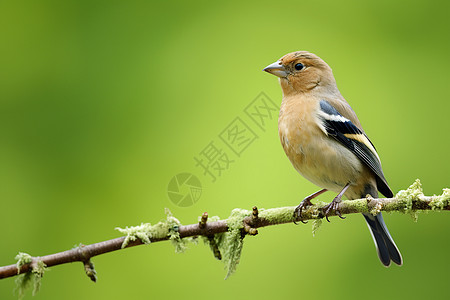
(103, 102)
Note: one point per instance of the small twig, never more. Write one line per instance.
(203, 220)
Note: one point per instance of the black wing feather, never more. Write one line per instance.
(337, 128)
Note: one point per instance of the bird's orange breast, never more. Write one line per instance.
(297, 126)
(316, 156)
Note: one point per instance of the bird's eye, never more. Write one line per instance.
(299, 66)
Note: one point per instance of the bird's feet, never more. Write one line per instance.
(298, 210)
(306, 202)
(334, 205)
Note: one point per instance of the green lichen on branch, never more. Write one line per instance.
(232, 242)
(277, 215)
(23, 283)
(174, 236)
(146, 232)
(22, 259)
(32, 278)
(377, 207)
(316, 225)
(359, 205)
(38, 272)
(413, 193)
(439, 202)
(213, 240)
(143, 232)
(226, 246)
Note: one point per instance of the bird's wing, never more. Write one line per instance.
(355, 140)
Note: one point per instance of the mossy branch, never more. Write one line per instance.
(225, 237)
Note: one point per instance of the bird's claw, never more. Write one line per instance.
(298, 210)
(334, 205)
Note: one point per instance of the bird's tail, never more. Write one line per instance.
(386, 248)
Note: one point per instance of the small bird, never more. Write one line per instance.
(324, 141)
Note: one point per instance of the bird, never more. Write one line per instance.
(325, 142)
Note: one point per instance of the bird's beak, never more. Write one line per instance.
(276, 69)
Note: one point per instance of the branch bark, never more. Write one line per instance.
(410, 201)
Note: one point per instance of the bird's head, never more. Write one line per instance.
(302, 71)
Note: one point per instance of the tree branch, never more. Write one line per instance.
(244, 222)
